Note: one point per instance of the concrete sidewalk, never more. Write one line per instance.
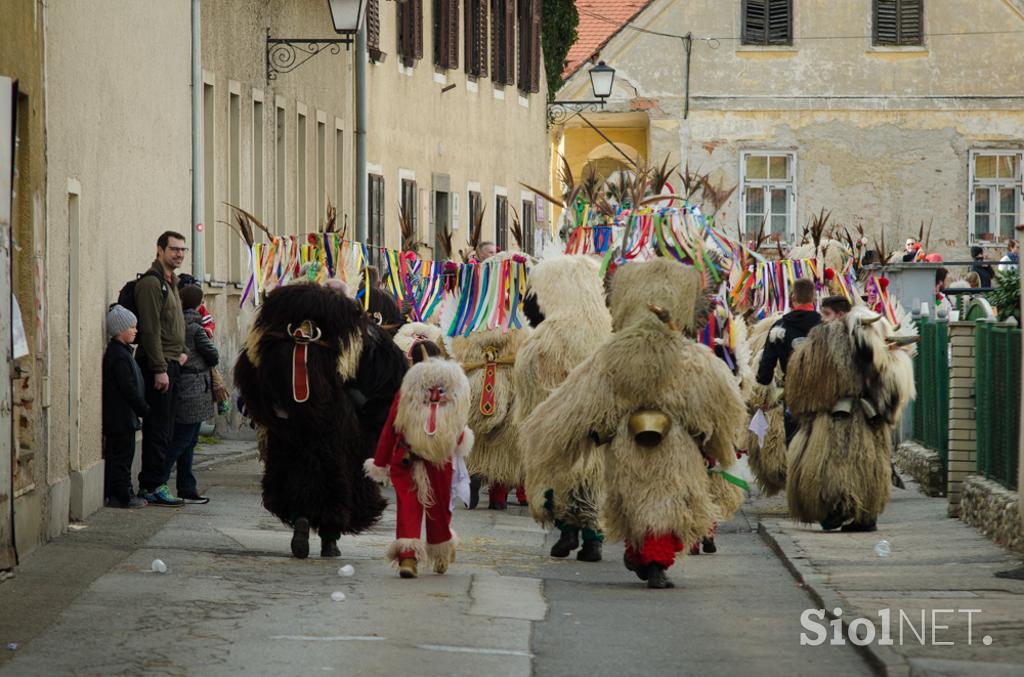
(937, 565)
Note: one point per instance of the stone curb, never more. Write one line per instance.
(883, 660)
(243, 456)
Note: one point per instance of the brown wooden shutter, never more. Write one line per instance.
(767, 22)
(898, 22)
(510, 42)
(535, 55)
(481, 38)
(417, 28)
(373, 29)
(452, 28)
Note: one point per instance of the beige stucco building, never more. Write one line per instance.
(831, 114)
(108, 85)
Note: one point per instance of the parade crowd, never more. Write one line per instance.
(601, 410)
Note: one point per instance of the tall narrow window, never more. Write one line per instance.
(446, 33)
(527, 226)
(898, 22)
(280, 215)
(769, 196)
(475, 208)
(997, 184)
(503, 41)
(209, 184)
(375, 225)
(410, 31)
(234, 181)
(501, 222)
(476, 38)
(300, 176)
(373, 30)
(321, 170)
(529, 46)
(767, 22)
(409, 210)
(257, 158)
(339, 173)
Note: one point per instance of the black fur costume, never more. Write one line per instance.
(314, 450)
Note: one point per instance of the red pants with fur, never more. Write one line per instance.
(410, 510)
(660, 549)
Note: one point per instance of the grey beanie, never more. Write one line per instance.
(119, 318)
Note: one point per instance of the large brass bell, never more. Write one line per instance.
(648, 427)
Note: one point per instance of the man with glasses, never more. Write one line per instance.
(160, 355)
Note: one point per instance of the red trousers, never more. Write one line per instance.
(410, 510)
(660, 549)
(499, 492)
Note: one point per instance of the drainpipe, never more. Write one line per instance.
(197, 148)
(361, 189)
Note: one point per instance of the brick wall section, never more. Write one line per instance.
(962, 444)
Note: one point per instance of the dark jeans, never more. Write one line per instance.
(180, 454)
(118, 453)
(157, 427)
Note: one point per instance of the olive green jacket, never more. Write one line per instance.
(161, 322)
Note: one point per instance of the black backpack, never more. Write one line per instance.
(126, 297)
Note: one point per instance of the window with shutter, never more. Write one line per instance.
(410, 31)
(446, 33)
(898, 22)
(767, 22)
(501, 222)
(529, 45)
(373, 30)
(476, 38)
(503, 41)
(375, 227)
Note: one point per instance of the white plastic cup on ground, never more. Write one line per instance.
(883, 548)
(338, 596)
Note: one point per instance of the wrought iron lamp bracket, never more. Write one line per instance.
(283, 55)
(559, 112)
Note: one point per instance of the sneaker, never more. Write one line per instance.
(193, 497)
(162, 496)
(132, 503)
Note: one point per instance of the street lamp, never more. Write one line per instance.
(347, 15)
(283, 55)
(602, 78)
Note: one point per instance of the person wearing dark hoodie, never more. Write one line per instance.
(785, 335)
(123, 404)
(984, 270)
(195, 397)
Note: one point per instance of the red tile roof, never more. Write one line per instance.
(600, 20)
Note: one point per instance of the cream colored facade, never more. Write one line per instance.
(881, 136)
(476, 136)
(108, 86)
(112, 174)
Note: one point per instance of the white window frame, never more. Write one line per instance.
(993, 185)
(767, 185)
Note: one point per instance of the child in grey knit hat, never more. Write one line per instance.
(123, 403)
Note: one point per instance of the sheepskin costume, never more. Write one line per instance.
(655, 404)
(412, 332)
(299, 378)
(487, 358)
(767, 461)
(565, 304)
(425, 430)
(848, 389)
(829, 253)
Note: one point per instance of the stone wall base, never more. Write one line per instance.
(994, 510)
(924, 465)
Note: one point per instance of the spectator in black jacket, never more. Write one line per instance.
(984, 270)
(123, 403)
(785, 335)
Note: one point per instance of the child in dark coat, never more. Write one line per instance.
(123, 403)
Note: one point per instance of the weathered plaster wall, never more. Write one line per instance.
(118, 132)
(475, 132)
(882, 135)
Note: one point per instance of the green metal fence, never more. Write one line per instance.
(997, 397)
(931, 376)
